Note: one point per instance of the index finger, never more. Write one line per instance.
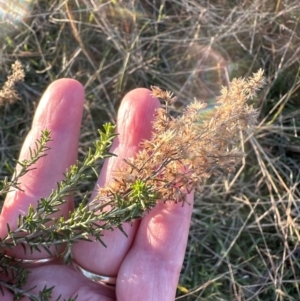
(60, 111)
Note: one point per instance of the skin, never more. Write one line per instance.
(147, 263)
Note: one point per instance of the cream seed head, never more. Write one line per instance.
(184, 151)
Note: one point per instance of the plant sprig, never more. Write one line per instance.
(181, 153)
(26, 165)
(41, 228)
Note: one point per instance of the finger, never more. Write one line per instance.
(152, 267)
(134, 124)
(55, 276)
(5, 295)
(67, 283)
(60, 111)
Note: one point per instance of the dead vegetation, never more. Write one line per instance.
(244, 235)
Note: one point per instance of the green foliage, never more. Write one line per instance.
(35, 154)
(87, 221)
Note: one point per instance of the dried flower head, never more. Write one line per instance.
(8, 93)
(166, 96)
(184, 151)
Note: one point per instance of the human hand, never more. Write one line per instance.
(147, 263)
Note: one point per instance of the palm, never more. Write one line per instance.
(148, 262)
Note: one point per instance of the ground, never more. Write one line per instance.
(243, 242)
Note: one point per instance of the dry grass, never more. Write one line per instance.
(244, 235)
